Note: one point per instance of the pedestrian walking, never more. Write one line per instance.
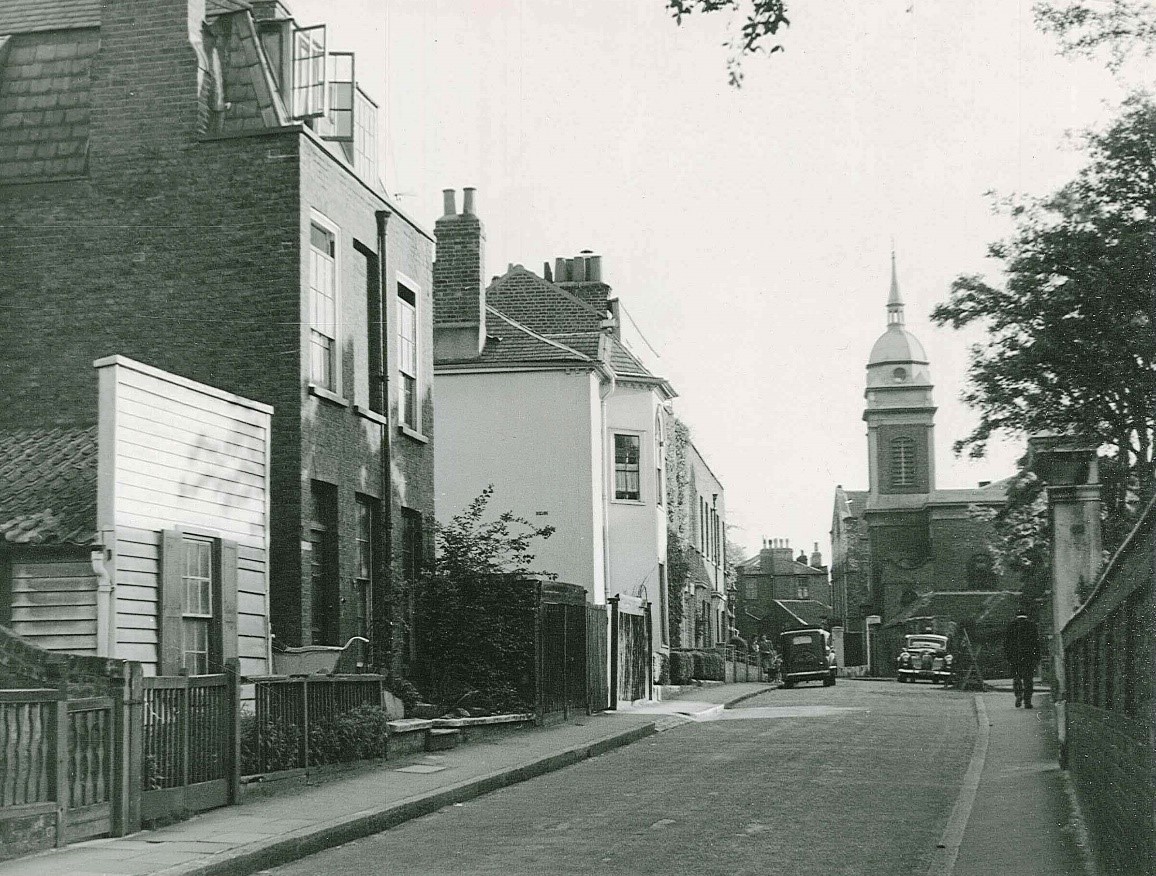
(1021, 647)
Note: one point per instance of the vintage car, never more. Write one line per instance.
(925, 655)
(807, 655)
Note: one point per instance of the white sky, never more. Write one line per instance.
(746, 231)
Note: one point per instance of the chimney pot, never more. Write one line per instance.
(546, 275)
(594, 269)
(579, 274)
(449, 197)
(468, 200)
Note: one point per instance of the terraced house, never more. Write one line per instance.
(194, 184)
(539, 396)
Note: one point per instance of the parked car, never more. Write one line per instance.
(807, 655)
(927, 656)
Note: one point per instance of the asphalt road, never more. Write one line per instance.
(856, 779)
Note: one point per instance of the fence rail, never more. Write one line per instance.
(292, 714)
(26, 741)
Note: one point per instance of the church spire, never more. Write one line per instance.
(894, 301)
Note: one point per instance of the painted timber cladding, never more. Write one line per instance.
(175, 454)
(54, 601)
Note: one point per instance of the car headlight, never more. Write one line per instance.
(948, 659)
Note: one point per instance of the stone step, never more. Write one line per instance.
(442, 739)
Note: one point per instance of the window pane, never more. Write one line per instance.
(626, 467)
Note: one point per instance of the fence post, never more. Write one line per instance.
(128, 749)
(233, 722)
(614, 657)
(305, 721)
(539, 693)
(60, 757)
(649, 653)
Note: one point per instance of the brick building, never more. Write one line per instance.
(193, 184)
(775, 590)
(696, 517)
(903, 538)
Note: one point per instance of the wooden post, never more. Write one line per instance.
(650, 653)
(60, 758)
(127, 748)
(539, 694)
(305, 722)
(614, 656)
(233, 722)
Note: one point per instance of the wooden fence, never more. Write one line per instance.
(292, 714)
(63, 773)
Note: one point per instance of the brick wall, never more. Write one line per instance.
(187, 253)
(1108, 647)
(458, 269)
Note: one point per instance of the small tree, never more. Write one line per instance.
(476, 610)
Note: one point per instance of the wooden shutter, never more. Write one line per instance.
(228, 599)
(170, 605)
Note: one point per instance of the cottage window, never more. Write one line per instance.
(197, 615)
(627, 455)
(802, 590)
(323, 307)
(752, 590)
(407, 356)
(197, 609)
(367, 516)
(659, 459)
(902, 462)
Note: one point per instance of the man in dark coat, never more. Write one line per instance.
(1021, 646)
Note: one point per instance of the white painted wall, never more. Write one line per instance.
(176, 454)
(534, 435)
(637, 541)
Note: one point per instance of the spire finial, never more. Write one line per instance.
(894, 300)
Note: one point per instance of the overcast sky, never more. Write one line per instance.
(747, 232)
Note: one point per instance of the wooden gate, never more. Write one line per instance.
(190, 758)
(630, 647)
(60, 760)
(597, 659)
(562, 651)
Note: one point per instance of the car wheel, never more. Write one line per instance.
(828, 682)
(787, 685)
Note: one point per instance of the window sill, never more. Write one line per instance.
(412, 433)
(329, 396)
(637, 502)
(371, 415)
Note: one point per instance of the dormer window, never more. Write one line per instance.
(309, 72)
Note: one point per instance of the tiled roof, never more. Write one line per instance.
(540, 305)
(762, 564)
(856, 502)
(48, 485)
(27, 16)
(809, 611)
(982, 606)
(44, 104)
(510, 342)
(624, 363)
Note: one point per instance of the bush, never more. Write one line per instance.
(739, 642)
(663, 669)
(404, 690)
(359, 734)
(268, 747)
(699, 667)
(713, 667)
(681, 667)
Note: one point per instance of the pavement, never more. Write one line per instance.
(264, 831)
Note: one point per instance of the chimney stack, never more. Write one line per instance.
(458, 285)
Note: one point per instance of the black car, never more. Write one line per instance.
(927, 656)
(807, 656)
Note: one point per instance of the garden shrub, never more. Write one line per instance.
(404, 690)
(359, 734)
(269, 747)
(699, 670)
(713, 667)
(663, 669)
(681, 667)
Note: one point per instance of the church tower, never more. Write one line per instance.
(900, 413)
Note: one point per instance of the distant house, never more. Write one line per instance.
(143, 535)
(696, 515)
(539, 396)
(771, 580)
(195, 184)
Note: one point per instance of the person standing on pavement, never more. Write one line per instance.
(1021, 647)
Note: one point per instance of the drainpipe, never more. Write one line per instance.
(383, 623)
(105, 616)
(604, 393)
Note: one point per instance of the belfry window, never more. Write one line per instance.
(902, 462)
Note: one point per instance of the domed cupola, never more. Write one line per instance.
(900, 412)
(897, 359)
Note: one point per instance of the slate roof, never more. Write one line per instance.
(540, 305)
(764, 564)
(44, 104)
(508, 341)
(996, 607)
(28, 16)
(809, 611)
(856, 502)
(48, 486)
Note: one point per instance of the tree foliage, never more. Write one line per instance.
(1071, 344)
(475, 612)
(757, 22)
(1118, 28)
